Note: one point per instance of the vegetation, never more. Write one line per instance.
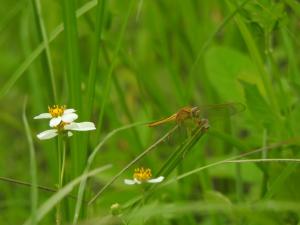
(124, 64)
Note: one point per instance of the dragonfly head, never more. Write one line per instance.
(195, 111)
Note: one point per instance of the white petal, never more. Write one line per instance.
(137, 181)
(84, 126)
(70, 117)
(70, 134)
(67, 111)
(129, 182)
(43, 116)
(47, 134)
(156, 180)
(55, 121)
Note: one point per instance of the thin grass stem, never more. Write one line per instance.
(89, 164)
(33, 166)
(139, 157)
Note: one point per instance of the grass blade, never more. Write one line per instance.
(27, 184)
(259, 150)
(95, 55)
(89, 164)
(111, 69)
(34, 55)
(38, 12)
(72, 66)
(181, 151)
(192, 72)
(255, 54)
(33, 172)
(139, 157)
(45, 208)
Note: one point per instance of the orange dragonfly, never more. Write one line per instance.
(199, 113)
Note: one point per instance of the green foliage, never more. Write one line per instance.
(258, 106)
(121, 64)
(224, 67)
(266, 14)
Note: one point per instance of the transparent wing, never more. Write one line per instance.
(217, 111)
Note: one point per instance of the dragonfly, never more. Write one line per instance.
(201, 113)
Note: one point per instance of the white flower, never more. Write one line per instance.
(58, 114)
(135, 181)
(142, 175)
(66, 128)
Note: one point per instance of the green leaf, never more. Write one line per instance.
(224, 67)
(257, 105)
(265, 13)
(217, 197)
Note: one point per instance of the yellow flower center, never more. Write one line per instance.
(142, 174)
(56, 110)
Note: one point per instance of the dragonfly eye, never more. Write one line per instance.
(195, 111)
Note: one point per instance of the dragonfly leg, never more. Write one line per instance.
(204, 123)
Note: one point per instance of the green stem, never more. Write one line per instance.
(193, 71)
(63, 163)
(60, 163)
(39, 49)
(143, 201)
(139, 157)
(96, 51)
(123, 100)
(58, 210)
(256, 57)
(89, 164)
(264, 155)
(27, 184)
(123, 220)
(235, 158)
(111, 69)
(43, 33)
(74, 79)
(239, 180)
(58, 160)
(33, 166)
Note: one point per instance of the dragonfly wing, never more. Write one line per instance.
(212, 112)
(162, 121)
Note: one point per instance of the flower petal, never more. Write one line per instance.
(137, 181)
(156, 180)
(67, 111)
(43, 116)
(84, 126)
(47, 134)
(69, 117)
(55, 121)
(129, 182)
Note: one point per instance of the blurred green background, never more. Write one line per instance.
(122, 62)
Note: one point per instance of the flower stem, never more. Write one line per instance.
(139, 157)
(62, 172)
(143, 201)
(61, 155)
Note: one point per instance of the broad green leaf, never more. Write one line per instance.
(257, 105)
(224, 67)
